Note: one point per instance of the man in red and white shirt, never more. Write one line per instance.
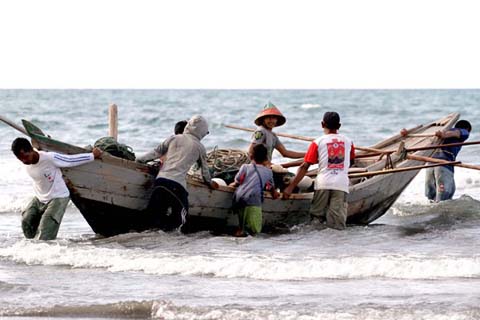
(334, 154)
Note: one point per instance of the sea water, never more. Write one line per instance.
(419, 261)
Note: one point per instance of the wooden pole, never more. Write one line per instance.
(379, 152)
(376, 173)
(113, 121)
(434, 160)
(286, 135)
(421, 135)
(290, 164)
(13, 125)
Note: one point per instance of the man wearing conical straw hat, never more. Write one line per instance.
(269, 118)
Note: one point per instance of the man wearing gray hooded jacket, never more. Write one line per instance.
(170, 196)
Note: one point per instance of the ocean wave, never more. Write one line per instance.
(167, 310)
(119, 310)
(245, 265)
(448, 212)
(310, 106)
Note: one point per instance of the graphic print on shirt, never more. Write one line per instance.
(49, 176)
(336, 154)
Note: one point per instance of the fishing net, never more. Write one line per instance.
(225, 163)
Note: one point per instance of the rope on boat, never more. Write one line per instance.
(222, 161)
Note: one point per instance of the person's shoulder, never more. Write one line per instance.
(46, 154)
(464, 132)
(259, 133)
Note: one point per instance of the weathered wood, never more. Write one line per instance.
(290, 164)
(113, 121)
(421, 135)
(286, 135)
(13, 125)
(434, 160)
(377, 152)
(389, 171)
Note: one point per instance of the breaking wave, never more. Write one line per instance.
(167, 310)
(310, 106)
(226, 264)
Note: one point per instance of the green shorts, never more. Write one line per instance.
(250, 219)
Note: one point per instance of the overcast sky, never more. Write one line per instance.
(239, 44)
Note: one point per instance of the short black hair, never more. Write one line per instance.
(331, 119)
(463, 124)
(180, 126)
(21, 144)
(259, 153)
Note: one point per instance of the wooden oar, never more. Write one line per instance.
(456, 144)
(376, 173)
(290, 164)
(374, 151)
(13, 125)
(314, 172)
(434, 160)
(379, 152)
(286, 135)
(421, 135)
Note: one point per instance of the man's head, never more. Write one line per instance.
(180, 126)
(463, 124)
(270, 117)
(259, 153)
(331, 120)
(24, 152)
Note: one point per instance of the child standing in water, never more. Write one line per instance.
(251, 180)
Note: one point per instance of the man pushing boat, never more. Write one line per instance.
(169, 200)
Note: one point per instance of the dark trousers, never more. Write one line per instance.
(168, 204)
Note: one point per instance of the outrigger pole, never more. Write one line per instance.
(13, 125)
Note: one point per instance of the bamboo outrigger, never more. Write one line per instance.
(112, 193)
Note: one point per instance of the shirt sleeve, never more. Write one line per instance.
(352, 152)
(163, 147)
(464, 134)
(312, 154)
(240, 176)
(70, 160)
(258, 137)
(202, 161)
(270, 184)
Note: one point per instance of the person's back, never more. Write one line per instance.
(184, 150)
(252, 184)
(334, 154)
(459, 133)
(251, 180)
(440, 181)
(169, 200)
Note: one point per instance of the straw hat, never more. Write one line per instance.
(270, 110)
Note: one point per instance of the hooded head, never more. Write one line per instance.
(197, 126)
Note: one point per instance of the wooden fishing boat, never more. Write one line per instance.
(112, 193)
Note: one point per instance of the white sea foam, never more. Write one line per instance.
(242, 265)
(310, 106)
(467, 182)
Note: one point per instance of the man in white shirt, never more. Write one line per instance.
(43, 215)
(334, 154)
